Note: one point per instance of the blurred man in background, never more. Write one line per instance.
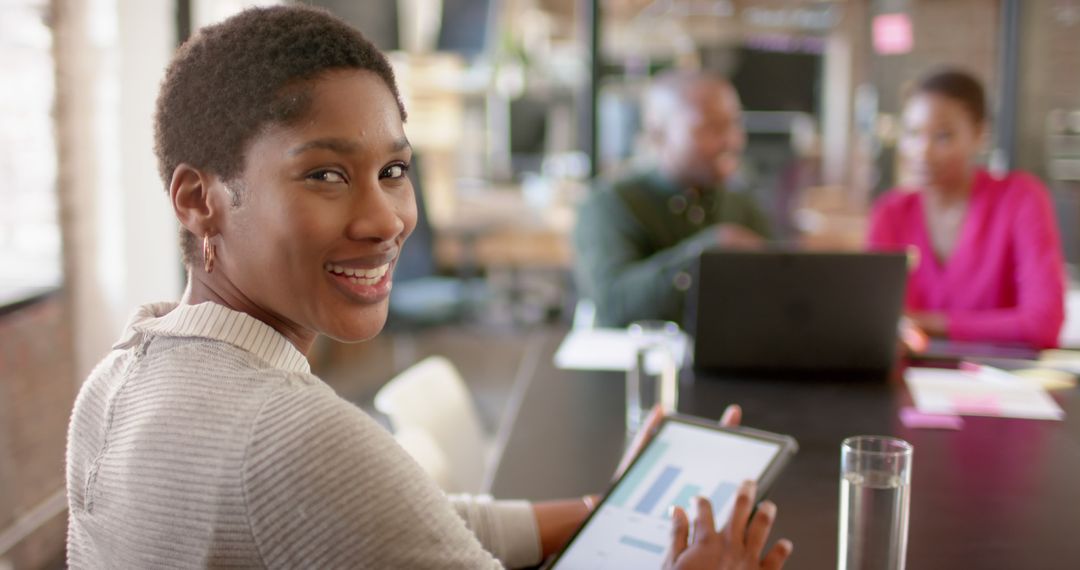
(637, 237)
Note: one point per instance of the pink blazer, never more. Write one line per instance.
(1005, 280)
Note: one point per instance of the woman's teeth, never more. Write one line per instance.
(359, 276)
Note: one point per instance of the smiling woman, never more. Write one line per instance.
(203, 439)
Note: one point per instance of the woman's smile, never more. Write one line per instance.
(367, 284)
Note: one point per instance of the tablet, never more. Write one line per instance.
(687, 457)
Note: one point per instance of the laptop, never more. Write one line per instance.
(796, 310)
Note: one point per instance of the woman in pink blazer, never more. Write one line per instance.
(989, 264)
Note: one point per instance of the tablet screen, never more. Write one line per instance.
(631, 527)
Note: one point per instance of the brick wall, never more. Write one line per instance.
(36, 394)
(956, 32)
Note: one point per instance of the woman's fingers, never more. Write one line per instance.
(759, 529)
(777, 555)
(740, 515)
(732, 416)
(652, 421)
(680, 535)
(704, 523)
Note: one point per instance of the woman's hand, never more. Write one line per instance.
(737, 547)
(732, 416)
(913, 340)
(557, 520)
(933, 324)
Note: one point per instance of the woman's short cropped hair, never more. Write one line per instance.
(232, 79)
(958, 85)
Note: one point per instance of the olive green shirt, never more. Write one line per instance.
(637, 238)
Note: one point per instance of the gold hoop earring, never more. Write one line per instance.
(208, 254)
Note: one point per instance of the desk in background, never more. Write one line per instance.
(499, 227)
(523, 250)
(997, 494)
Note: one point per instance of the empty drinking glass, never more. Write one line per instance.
(654, 373)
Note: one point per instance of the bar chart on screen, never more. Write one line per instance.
(632, 528)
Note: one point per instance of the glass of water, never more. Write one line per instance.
(875, 490)
(653, 375)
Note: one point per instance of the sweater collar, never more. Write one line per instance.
(213, 321)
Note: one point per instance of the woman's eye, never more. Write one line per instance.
(327, 176)
(398, 170)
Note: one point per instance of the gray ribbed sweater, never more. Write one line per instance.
(203, 440)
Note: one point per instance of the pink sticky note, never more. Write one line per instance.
(913, 418)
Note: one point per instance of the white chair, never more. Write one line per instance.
(584, 314)
(435, 420)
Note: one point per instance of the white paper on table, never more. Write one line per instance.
(605, 349)
(945, 391)
(1067, 360)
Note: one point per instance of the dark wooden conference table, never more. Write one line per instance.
(998, 493)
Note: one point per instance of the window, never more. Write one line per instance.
(29, 223)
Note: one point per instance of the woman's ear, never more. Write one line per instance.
(194, 204)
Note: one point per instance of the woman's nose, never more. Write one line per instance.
(375, 216)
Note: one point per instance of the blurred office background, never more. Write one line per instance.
(514, 107)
